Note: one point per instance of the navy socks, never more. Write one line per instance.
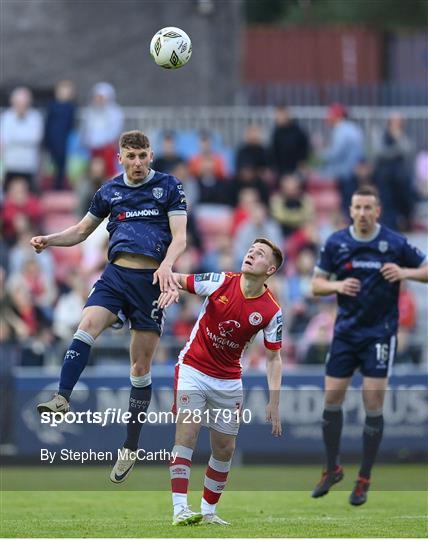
(332, 430)
(139, 401)
(75, 360)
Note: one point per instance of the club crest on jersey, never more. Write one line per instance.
(157, 192)
(255, 318)
(184, 399)
(223, 299)
(383, 246)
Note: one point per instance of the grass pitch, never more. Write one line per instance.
(118, 512)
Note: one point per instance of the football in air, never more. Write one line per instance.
(171, 48)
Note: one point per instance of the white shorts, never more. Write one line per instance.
(217, 402)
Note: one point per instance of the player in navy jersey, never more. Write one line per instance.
(363, 265)
(147, 217)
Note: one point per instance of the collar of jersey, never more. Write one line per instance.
(144, 181)
(359, 239)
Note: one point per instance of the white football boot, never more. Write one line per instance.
(213, 519)
(58, 404)
(123, 466)
(187, 517)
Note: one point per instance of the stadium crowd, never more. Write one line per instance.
(288, 186)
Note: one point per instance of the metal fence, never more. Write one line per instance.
(230, 122)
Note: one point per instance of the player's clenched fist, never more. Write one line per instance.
(39, 243)
(349, 287)
(392, 272)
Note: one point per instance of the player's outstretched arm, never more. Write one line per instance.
(322, 286)
(164, 274)
(392, 273)
(274, 374)
(69, 237)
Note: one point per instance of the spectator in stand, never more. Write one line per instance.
(421, 174)
(252, 153)
(183, 325)
(363, 174)
(67, 312)
(345, 150)
(393, 151)
(168, 158)
(291, 206)
(212, 188)
(299, 299)
(59, 124)
(8, 311)
(42, 289)
(246, 198)
(290, 147)
(191, 189)
(207, 160)
(407, 348)
(102, 126)
(216, 259)
(23, 309)
(190, 185)
(258, 225)
(91, 182)
(19, 209)
(306, 236)
(315, 342)
(21, 134)
(22, 251)
(248, 177)
(11, 356)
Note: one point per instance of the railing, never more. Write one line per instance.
(230, 122)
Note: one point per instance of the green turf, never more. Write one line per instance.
(123, 513)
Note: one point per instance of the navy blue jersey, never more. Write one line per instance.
(374, 311)
(138, 215)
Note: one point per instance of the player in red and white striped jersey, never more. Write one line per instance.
(208, 385)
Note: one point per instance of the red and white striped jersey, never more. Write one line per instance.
(227, 323)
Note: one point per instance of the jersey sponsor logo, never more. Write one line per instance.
(226, 328)
(279, 319)
(255, 318)
(157, 192)
(278, 336)
(223, 299)
(369, 265)
(138, 213)
(383, 246)
(220, 342)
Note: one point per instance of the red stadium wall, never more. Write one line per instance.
(347, 55)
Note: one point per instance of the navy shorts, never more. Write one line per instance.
(129, 293)
(373, 356)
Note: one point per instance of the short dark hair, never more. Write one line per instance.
(277, 253)
(134, 139)
(368, 191)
